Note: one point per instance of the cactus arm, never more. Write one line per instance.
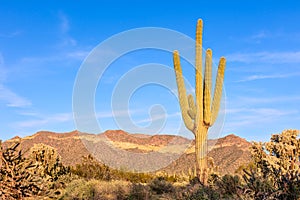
(192, 107)
(199, 81)
(218, 90)
(183, 99)
(207, 89)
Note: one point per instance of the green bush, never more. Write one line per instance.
(82, 189)
(90, 168)
(160, 186)
(139, 192)
(79, 190)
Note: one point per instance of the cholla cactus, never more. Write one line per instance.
(200, 115)
(277, 165)
(48, 162)
(16, 180)
(281, 154)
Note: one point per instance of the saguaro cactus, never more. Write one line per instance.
(200, 115)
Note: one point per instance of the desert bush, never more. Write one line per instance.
(229, 186)
(82, 189)
(133, 177)
(205, 193)
(159, 185)
(79, 189)
(139, 191)
(90, 168)
(196, 190)
(114, 190)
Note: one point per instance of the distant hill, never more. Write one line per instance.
(228, 152)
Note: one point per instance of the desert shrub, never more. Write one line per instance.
(229, 186)
(257, 186)
(79, 189)
(82, 189)
(139, 191)
(196, 190)
(114, 190)
(90, 168)
(133, 177)
(205, 193)
(160, 186)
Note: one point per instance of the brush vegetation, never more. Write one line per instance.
(273, 173)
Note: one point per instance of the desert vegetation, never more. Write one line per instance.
(273, 173)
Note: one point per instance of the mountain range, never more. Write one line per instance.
(140, 152)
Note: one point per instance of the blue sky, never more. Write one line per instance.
(42, 46)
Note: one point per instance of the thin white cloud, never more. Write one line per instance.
(10, 35)
(159, 117)
(42, 121)
(12, 99)
(64, 29)
(243, 117)
(117, 113)
(259, 35)
(267, 100)
(272, 76)
(265, 57)
(68, 56)
(64, 22)
(2, 69)
(78, 55)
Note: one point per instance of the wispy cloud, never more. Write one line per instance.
(64, 29)
(117, 113)
(44, 120)
(78, 55)
(259, 35)
(67, 56)
(159, 117)
(7, 95)
(10, 34)
(267, 100)
(265, 57)
(64, 22)
(271, 76)
(244, 117)
(2, 69)
(12, 99)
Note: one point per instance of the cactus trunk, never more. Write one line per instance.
(201, 114)
(201, 151)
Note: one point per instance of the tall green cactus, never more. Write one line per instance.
(200, 115)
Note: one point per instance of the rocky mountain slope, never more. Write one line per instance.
(228, 152)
